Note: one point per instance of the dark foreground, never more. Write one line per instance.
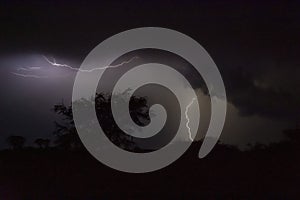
(226, 173)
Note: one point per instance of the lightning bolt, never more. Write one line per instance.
(23, 69)
(188, 119)
(28, 69)
(54, 63)
(29, 75)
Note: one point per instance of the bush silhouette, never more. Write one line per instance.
(16, 142)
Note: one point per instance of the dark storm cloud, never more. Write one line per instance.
(259, 94)
(255, 45)
(261, 74)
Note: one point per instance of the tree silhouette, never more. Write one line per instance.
(42, 143)
(67, 137)
(16, 142)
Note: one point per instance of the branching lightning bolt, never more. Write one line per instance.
(54, 63)
(188, 119)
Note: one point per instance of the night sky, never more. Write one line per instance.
(255, 46)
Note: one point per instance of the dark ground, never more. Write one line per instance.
(227, 173)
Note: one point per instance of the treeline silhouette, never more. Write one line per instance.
(63, 169)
